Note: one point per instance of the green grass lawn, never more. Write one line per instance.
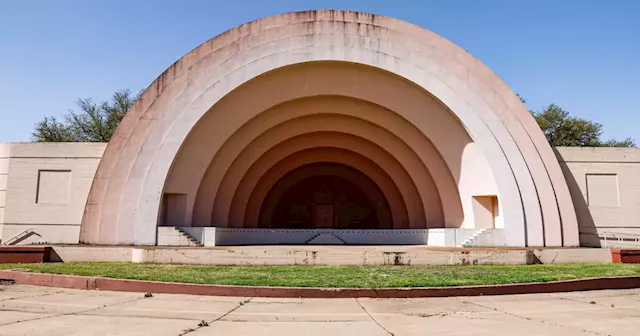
(337, 276)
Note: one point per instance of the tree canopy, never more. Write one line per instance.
(93, 122)
(562, 129)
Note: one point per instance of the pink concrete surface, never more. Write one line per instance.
(98, 283)
(268, 179)
(313, 117)
(215, 92)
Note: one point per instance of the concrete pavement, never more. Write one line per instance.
(32, 310)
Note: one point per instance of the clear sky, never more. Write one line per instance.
(581, 54)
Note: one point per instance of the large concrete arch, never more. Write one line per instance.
(248, 210)
(355, 152)
(449, 134)
(350, 174)
(125, 196)
(420, 175)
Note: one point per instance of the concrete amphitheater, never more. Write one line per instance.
(322, 127)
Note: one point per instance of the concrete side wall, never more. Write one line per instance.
(327, 255)
(46, 189)
(605, 187)
(4, 171)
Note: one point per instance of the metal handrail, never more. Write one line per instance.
(13, 239)
(620, 239)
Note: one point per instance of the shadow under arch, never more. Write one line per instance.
(399, 191)
(353, 200)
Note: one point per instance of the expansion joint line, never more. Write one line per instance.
(203, 324)
(373, 319)
(32, 296)
(532, 319)
(72, 313)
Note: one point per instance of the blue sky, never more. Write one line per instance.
(581, 54)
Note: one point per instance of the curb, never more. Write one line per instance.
(123, 285)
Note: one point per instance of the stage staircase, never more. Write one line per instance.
(325, 238)
(485, 237)
(175, 236)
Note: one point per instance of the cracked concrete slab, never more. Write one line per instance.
(602, 293)
(31, 310)
(579, 316)
(630, 303)
(65, 302)
(173, 308)
(320, 328)
(305, 310)
(22, 291)
(220, 298)
(7, 317)
(82, 325)
(418, 307)
(470, 323)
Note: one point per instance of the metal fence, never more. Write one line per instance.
(619, 240)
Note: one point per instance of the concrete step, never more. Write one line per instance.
(486, 237)
(173, 236)
(325, 239)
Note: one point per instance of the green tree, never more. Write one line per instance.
(51, 130)
(627, 142)
(562, 129)
(92, 123)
